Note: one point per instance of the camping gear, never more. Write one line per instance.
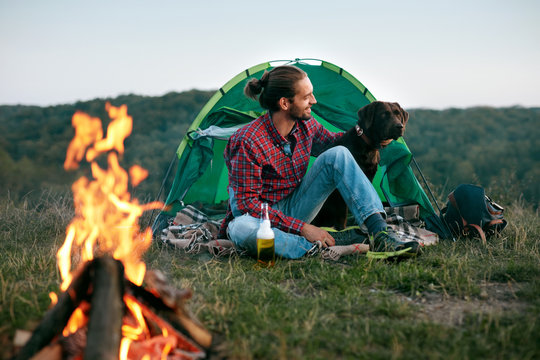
(201, 174)
(470, 213)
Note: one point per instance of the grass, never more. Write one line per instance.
(457, 301)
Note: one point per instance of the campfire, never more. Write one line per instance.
(104, 311)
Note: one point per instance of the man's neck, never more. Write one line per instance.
(283, 123)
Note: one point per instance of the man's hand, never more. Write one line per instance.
(314, 234)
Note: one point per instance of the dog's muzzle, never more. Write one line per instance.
(397, 131)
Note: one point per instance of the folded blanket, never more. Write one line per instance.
(408, 213)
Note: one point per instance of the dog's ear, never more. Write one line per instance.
(404, 114)
(366, 115)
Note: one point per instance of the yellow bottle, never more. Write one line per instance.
(265, 240)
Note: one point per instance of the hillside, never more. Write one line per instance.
(35, 139)
(497, 148)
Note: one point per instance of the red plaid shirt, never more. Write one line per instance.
(260, 170)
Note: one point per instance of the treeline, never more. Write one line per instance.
(492, 147)
(34, 140)
(498, 148)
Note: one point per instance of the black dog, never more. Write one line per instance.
(378, 124)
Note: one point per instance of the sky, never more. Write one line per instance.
(423, 54)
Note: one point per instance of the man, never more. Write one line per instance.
(268, 160)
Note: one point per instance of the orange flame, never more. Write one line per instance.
(75, 322)
(106, 218)
(124, 348)
(54, 298)
(140, 331)
(139, 343)
(87, 131)
(137, 174)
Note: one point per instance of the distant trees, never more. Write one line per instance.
(34, 140)
(492, 147)
(481, 145)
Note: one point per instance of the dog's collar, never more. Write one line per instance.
(360, 133)
(359, 130)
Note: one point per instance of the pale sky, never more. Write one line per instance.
(424, 53)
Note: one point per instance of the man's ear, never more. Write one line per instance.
(284, 103)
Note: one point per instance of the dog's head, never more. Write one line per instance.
(382, 122)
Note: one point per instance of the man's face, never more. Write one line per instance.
(300, 107)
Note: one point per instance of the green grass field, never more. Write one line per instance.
(457, 301)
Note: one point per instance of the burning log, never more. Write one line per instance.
(102, 284)
(170, 303)
(105, 324)
(56, 319)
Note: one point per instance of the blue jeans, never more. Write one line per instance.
(335, 168)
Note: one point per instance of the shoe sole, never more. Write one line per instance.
(390, 254)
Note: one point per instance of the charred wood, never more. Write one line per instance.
(56, 318)
(105, 323)
(173, 310)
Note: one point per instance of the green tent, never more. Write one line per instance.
(202, 175)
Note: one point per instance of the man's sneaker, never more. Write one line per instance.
(348, 236)
(386, 244)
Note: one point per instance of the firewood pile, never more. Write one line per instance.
(161, 328)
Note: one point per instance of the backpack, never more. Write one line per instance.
(470, 212)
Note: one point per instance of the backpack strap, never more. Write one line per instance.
(466, 226)
(480, 231)
(495, 222)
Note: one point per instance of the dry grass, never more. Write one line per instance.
(458, 300)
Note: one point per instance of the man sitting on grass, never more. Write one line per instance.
(268, 160)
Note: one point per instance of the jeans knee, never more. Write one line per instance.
(339, 155)
(242, 232)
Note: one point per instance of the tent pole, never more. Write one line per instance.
(162, 187)
(425, 182)
(431, 194)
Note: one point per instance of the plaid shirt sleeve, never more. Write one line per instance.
(245, 177)
(322, 138)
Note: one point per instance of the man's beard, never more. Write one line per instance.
(298, 114)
